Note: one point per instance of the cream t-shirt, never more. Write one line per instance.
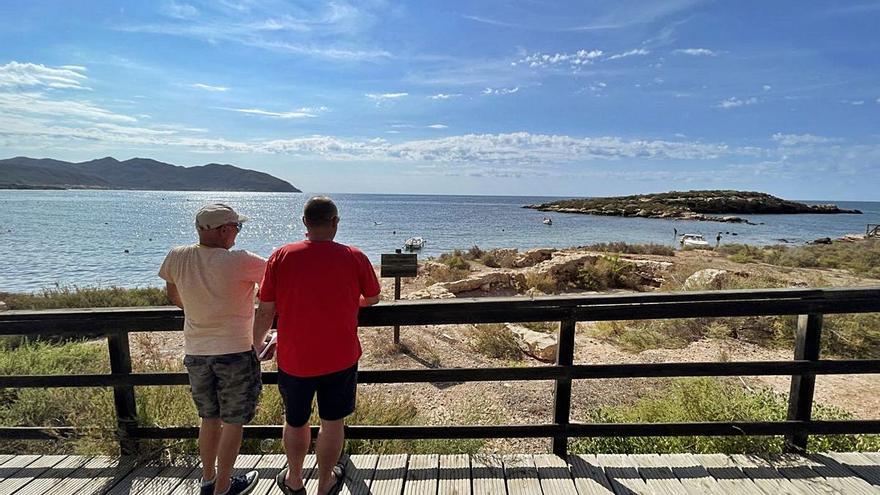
(216, 287)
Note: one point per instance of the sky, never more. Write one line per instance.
(521, 97)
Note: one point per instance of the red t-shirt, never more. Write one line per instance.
(316, 287)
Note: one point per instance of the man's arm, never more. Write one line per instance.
(369, 301)
(262, 321)
(173, 294)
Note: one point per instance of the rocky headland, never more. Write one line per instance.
(715, 206)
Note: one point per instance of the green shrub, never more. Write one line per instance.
(710, 399)
(607, 272)
(862, 258)
(87, 297)
(496, 341)
(456, 260)
(543, 282)
(625, 248)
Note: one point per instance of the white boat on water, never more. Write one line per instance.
(414, 243)
(547, 221)
(694, 241)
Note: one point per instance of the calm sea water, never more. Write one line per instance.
(80, 237)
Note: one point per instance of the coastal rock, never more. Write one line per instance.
(542, 346)
(484, 281)
(709, 278)
(3, 306)
(532, 257)
(436, 291)
(821, 240)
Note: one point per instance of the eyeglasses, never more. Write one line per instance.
(236, 225)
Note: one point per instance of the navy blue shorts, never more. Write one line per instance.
(336, 395)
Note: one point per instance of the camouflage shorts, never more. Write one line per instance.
(225, 386)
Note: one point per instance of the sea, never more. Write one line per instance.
(84, 238)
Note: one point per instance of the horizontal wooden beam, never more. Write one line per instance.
(98, 321)
(447, 375)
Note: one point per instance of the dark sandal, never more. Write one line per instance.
(282, 485)
(339, 474)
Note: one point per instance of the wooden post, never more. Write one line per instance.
(397, 298)
(123, 395)
(562, 387)
(800, 398)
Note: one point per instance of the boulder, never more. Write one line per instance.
(822, 240)
(709, 278)
(3, 306)
(436, 291)
(541, 346)
(532, 257)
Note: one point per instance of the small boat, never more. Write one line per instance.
(547, 221)
(695, 241)
(414, 243)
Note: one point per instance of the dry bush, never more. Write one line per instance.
(496, 341)
(543, 282)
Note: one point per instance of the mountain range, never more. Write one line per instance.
(137, 173)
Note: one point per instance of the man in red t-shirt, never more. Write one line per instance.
(316, 287)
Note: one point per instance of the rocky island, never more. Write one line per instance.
(715, 206)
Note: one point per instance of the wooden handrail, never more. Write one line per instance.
(116, 323)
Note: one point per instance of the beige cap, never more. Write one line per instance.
(216, 215)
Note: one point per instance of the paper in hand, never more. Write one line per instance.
(268, 348)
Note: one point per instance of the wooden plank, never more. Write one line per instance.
(729, 477)
(798, 470)
(865, 465)
(589, 478)
(310, 473)
(521, 474)
(53, 476)
(359, 474)
(554, 475)
(839, 476)
(487, 473)
(455, 475)
(96, 475)
(139, 477)
(14, 464)
(269, 466)
(21, 470)
(421, 475)
(4, 458)
(389, 475)
(694, 478)
(622, 476)
(658, 476)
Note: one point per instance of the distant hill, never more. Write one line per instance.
(688, 205)
(137, 173)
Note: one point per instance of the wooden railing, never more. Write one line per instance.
(810, 304)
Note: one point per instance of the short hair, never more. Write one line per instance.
(319, 211)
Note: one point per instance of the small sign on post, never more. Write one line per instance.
(399, 265)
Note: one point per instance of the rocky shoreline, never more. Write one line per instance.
(711, 206)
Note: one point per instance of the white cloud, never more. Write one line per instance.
(208, 87)
(630, 53)
(179, 10)
(696, 52)
(386, 96)
(572, 60)
(854, 102)
(438, 126)
(500, 91)
(800, 139)
(38, 104)
(734, 102)
(23, 75)
(444, 96)
(766, 87)
(302, 113)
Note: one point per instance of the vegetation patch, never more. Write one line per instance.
(625, 248)
(607, 272)
(86, 297)
(495, 340)
(710, 399)
(862, 258)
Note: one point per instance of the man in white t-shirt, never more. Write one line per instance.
(215, 287)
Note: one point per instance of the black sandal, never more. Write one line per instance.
(282, 485)
(339, 474)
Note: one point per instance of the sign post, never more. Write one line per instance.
(399, 265)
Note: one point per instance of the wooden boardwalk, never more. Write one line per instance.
(844, 473)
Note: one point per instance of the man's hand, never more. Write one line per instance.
(173, 294)
(369, 301)
(262, 321)
(266, 351)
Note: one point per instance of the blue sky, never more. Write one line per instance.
(513, 97)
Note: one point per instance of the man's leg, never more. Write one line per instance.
(209, 439)
(230, 443)
(328, 450)
(296, 446)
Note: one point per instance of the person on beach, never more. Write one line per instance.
(215, 287)
(316, 287)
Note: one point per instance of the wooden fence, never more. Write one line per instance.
(115, 324)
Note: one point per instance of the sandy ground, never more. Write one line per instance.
(449, 346)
